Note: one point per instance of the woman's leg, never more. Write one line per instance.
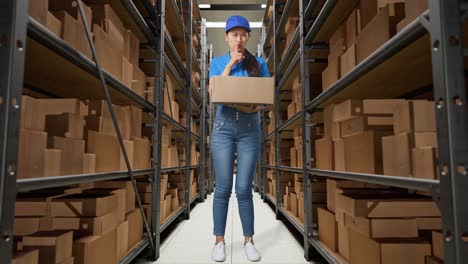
(248, 147)
(222, 150)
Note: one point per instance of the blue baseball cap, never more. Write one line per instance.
(237, 21)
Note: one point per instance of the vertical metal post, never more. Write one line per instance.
(307, 139)
(188, 94)
(263, 158)
(13, 24)
(157, 130)
(277, 110)
(450, 97)
(203, 110)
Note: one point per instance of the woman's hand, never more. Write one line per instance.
(247, 108)
(236, 57)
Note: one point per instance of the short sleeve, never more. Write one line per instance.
(264, 72)
(214, 68)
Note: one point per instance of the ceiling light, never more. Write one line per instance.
(204, 6)
(263, 5)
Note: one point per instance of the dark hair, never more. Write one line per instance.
(251, 64)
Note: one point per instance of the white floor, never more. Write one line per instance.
(192, 240)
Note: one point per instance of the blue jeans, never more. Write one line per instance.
(234, 132)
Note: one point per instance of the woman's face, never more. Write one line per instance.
(237, 39)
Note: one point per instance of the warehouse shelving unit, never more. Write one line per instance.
(435, 35)
(23, 39)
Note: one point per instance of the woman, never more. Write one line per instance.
(236, 130)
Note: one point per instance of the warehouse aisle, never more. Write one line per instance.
(192, 240)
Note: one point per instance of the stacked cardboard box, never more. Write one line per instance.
(145, 192)
(193, 184)
(370, 25)
(51, 138)
(293, 196)
(79, 225)
(412, 150)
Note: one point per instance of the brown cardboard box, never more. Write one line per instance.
(29, 225)
(31, 160)
(252, 90)
(60, 106)
(300, 162)
(293, 203)
(96, 249)
(70, 260)
(331, 74)
(391, 206)
(336, 131)
(286, 204)
(433, 260)
(382, 228)
(135, 227)
(32, 116)
(92, 226)
(136, 119)
(415, 116)
(353, 28)
(380, 106)
(38, 10)
(89, 163)
(54, 24)
(429, 223)
(65, 125)
(363, 152)
(334, 186)
(139, 81)
(414, 8)
(175, 110)
(127, 73)
(337, 43)
(368, 9)
(175, 204)
(379, 30)
(129, 192)
(328, 119)
(300, 209)
(324, 153)
(348, 60)
(364, 250)
(291, 109)
(343, 240)
(360, 124)
(396, 155)
(328, 229)
(83, 205)
(72, 9)
(346, 110)
(168, 201)
(32, 207)
(26, 257)
(109, 157)
(142, 155)
(54, 246)
(52, 161)
(110, 54)
(424, 163)
(339, 155)
(73, 32)
(423, 139)
(293, 157)
(437, 244)
(72, 154)
(122, 240)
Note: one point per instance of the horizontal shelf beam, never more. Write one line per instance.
(324, 252)
(139, 20)
(293, 221)
(24, 185)
(395, 181)
(289, 70)
(290, 169)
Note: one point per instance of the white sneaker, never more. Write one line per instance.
(251, 252)
(219, 252)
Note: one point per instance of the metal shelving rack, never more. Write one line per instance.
(16, 27)
(437, 35)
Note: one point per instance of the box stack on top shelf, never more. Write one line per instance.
(379, 117)
(75, 203)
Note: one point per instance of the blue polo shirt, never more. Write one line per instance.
(219, 63)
